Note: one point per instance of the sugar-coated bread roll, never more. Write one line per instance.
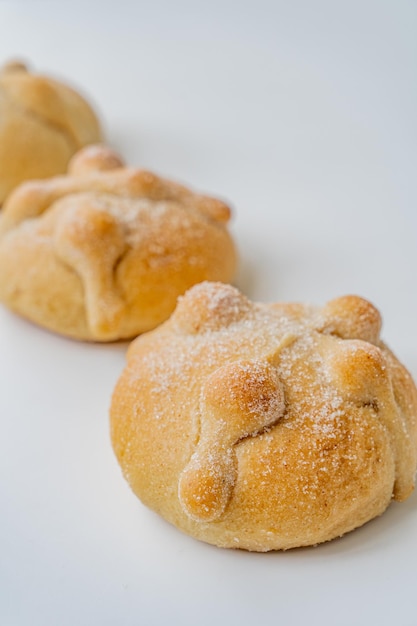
(103, 253)
(43, 122)
(265, 426)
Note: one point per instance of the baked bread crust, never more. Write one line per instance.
(263, 426)
(103, 253)
(43, 122)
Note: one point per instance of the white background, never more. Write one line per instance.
(303, 115)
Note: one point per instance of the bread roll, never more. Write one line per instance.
(103, 253)
(265, 426)
(43, 122)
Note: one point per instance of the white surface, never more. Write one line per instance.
(302, 114)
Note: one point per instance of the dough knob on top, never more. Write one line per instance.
(14, 65)
(351, 317)
(209, 307)
(94, 158)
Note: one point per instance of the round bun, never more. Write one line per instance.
(103, 253)
(263, 426)
(42, 124)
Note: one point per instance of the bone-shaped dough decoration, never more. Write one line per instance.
(238, 400)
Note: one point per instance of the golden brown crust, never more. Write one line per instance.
(104, 252)
(43, 123)
(265, 426)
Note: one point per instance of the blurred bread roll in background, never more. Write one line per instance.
(103, 252)
(43, 122)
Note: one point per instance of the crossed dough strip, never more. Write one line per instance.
(43, 123)
(104, 252)
(265, 426)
